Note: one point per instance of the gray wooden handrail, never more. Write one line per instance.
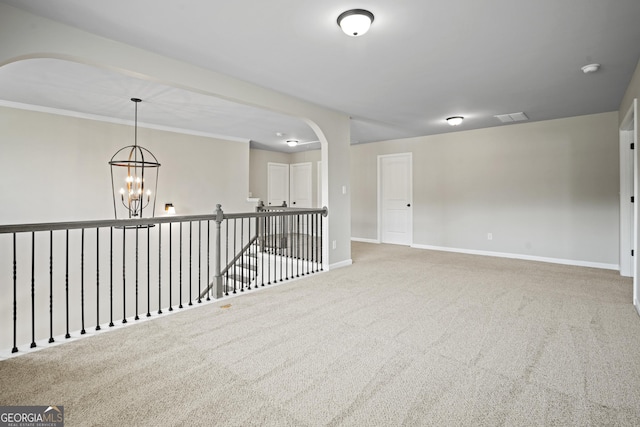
(131, 223)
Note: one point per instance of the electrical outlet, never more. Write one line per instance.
(334, 244)
(489, 236)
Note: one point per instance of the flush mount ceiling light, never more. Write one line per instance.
(355, 22)
(591, 68)
(455, 120)
(292, 142)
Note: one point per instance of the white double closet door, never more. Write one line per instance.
(291, 184)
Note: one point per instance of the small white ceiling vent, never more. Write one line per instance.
(512, 117)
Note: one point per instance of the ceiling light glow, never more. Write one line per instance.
(455, 120)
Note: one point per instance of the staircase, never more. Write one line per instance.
(243, 271)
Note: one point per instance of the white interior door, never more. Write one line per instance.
(395, 194)
(277, 184)
(300, 185)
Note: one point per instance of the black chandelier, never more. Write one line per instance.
(135, 169)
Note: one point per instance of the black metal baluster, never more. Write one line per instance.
(180, 305)
(307, 255)
(51, 286)
(82, 331)
(275, 248)
(282, 244)
(66, 283)
(226, 259)
(15, 298)
(33, 289)
(312, 241)
(315, 241)
(149, 271)
(309, 228)
(321, 243)
(269, 239)
(98, 279)
(287, 251)
(249, 259)
(170, 266)
(124, 276)
(159, 268)
(240, 261)
(136, 317)
(303, 244)
(199, 261)
(261, 236)
(235, 251)
(208, 259)
(298, 247)
(111, 277)
(190, 256)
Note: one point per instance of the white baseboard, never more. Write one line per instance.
(590, 264)
(360, 239)
(637, 305)
(341, 264)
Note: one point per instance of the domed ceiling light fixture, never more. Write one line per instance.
(292, 142)
(136, 169)
(455, 120)
(591, 68)
(355, 22)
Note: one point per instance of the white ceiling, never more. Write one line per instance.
(422, 61)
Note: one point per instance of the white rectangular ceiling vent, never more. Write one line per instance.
(512, 117)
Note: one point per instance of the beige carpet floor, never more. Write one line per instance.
(403, 337)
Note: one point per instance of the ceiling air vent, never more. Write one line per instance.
(512, 117)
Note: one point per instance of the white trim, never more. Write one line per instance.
(96, 117)
(628, 184)
(637, 306)
(590, 264)
(360, 239)
(341, 264)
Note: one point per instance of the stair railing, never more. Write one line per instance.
(60, 280)
(267, 246)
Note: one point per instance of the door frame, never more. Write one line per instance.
(409, 155)
(629, 182)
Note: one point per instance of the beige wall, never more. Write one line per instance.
(633, 91)
(55, 168)
(546, 189)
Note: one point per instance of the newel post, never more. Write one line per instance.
(218, 276)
